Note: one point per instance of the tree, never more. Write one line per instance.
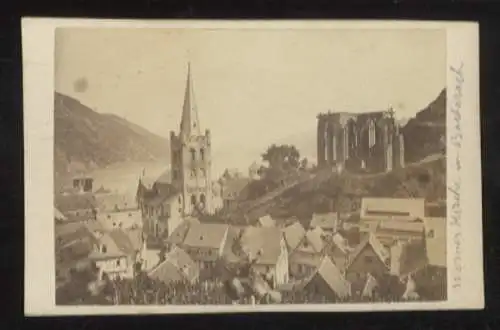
(282, 158)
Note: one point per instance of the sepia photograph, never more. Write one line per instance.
(206, 166)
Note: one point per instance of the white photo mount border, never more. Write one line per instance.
(464, 230)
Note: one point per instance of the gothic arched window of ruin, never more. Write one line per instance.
(371, 133)
(193, 153)
(202, 200)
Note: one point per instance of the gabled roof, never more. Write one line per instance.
(324, 220)
(233, 187)
(374, 243)
(267, 221)
(410, 208)
(135, 236)
(177, 266)
(314, 237)
(294, 235)
(124, 242)
(166, 272)
(165, 177)
(333, 277)
(341, 243)
(114, 202)
(179, 233)
(206, 235)
(68, 233)
(231, 252)
(261, 243)
(160, 193)
(74, 202)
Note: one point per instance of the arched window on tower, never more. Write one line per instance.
(193, 154)
(202, 154)
(202, 200)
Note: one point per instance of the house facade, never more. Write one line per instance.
(161, 208)
(369, 257)
(307, 256)
(116, 254)
(204, 243)
(328, 281)
(267, 249)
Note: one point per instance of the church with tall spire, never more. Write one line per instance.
(191, 157)
(187, 190)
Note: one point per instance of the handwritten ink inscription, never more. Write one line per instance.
(454, 188)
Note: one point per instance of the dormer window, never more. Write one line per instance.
(104, 249)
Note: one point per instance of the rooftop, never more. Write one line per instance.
(294, 235)
(409, 208)
(262, 243)
(206, 235)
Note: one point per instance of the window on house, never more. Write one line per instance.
(193, 173)
(174, 174)
(430, 234)
(180, 200)
(202, 154)
(193, 200)
(203, 172)
(193, 154)
(118, 263)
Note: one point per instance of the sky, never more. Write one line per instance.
(252, 87)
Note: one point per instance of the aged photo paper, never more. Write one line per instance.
(218, 167)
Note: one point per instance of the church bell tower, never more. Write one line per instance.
(191, 157)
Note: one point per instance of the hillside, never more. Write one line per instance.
(327, 191)
(86, 140)
(425, 133)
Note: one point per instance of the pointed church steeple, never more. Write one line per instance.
(190, 125)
